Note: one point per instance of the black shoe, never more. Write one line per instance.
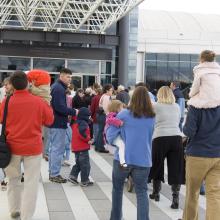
(89, 183)
(73, 181)
(57, 179)
(103, 151)
(175, 189)
(155, 196)
(22, 178)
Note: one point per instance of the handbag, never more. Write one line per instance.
(5, 153)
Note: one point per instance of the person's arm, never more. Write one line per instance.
(195, 86)
(87, 138)
(59, 104)
(114, 121)
(93, 107)
(191, 126)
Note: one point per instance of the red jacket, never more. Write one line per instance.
(26, 115)
(94, 107)
(79, 143)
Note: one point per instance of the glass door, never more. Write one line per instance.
(88, 80)
(77, 82)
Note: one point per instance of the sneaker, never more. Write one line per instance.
(89, 183)
(57, 179)
(4, 185)
(73, 181)
(15, 214)
(66, 163)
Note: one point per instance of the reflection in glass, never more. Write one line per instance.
(84, 66)
(106, 67)
(51, 65)
(105, 79)
(14, 63)
(88, 81)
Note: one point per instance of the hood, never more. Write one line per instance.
(84, 114)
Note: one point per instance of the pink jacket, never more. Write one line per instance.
(205, 90)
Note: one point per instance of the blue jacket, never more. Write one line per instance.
(180, 100)
(59, 105)
(203, 128)
(137, 136)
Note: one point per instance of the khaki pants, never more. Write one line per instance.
(22, 197)
(197, 170)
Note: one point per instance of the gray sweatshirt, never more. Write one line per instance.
(167, 120)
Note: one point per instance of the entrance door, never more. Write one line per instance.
(77, 82)
(88, 80)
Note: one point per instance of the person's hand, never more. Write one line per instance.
(121, 124)
(90, 142)
(77, 111)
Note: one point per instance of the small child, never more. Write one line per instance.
(40, 81)
(205, 90)
(81, 142)
(114, 108)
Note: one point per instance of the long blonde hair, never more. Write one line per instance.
(165, 95)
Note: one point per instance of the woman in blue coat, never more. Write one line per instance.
(136, 133)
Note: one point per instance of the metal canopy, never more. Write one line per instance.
(89, 16)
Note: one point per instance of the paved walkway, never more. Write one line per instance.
(68, 202)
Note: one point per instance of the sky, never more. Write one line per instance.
(191, 6)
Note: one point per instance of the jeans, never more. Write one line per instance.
(68, 142)
(57, 149)
(95, 131)
(139, 176)
(82, 165)
(181, 123)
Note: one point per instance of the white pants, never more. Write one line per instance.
(22, 197)
(121, 146)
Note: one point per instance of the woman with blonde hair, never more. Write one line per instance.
(167, 143)
(136, 133)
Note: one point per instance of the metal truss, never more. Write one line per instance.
(90, 16)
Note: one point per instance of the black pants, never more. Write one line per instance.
(169, 147)
(82, 165)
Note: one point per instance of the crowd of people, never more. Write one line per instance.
(74, 121)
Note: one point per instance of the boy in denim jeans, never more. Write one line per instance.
(80, 146)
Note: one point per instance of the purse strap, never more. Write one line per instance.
(4, 117)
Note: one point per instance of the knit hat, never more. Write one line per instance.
(39, 77)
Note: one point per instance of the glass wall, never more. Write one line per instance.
(162, 68)
(51, 65)
(89, 70)
(14, 63)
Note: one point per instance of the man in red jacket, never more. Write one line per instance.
(26, 116)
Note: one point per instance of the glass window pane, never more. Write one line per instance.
(51, 65)
(162, 56)
(173, 57)
(106, 67)
(105, 79)
(83, 66)
(184, 57)
(150, 56)
(14, 63)
(195, 58)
